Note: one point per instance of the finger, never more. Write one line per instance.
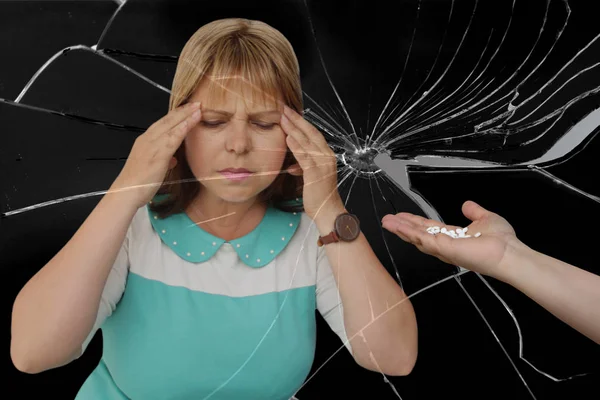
(175, 136)
(409, 231)
(305, 151)
(474, 211)
(440, 246)
(417, 220)
(292, 130)
(392, 227)
(310, 132)
(390, 217)
(307, 157)
(420, 224)
(172, 119)
(402, 236)
(304, 161)
(426, 223)
(320, 179)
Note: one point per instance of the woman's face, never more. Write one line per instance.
(239, 131)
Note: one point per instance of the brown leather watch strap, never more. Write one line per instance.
(331, 238)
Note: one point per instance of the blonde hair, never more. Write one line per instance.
(260, 55)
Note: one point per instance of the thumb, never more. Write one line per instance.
(473, 211)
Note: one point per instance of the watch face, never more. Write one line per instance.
(347, 227)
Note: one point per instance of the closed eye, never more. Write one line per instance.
(263, 125)
(211, 124)
(260, 125)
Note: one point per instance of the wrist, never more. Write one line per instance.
(516, 261)
(325, 219)
(124, 194)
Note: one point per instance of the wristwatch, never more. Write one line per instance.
(346, 228)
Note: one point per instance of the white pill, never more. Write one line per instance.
(478, 234)
(465, 230)
(458, 230)
(444, 230)
(436, 229)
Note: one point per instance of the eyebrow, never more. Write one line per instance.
(256, 114)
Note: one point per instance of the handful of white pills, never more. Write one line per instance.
(460, 233)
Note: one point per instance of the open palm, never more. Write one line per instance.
(482, 254)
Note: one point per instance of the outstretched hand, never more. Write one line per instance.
(482, 254)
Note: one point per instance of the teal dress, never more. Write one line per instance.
(187, 315)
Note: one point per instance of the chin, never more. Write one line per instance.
(236, 199)
(236, 196)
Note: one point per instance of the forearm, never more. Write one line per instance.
(374, 304)
(55, 311)
(568, 292)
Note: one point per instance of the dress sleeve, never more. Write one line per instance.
(329, 302)
(113, 289)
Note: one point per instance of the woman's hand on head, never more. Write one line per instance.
(482, 254)
(152, 154)
(316, 162)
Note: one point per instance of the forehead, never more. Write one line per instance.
(230, 92)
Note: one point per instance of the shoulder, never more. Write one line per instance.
(141, 219)
(140, 228)
(305, 237)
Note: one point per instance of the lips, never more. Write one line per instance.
(236, 171)
(236, 174)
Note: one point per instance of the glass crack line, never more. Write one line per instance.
(327, 75)
(85, 48)
(121, 3)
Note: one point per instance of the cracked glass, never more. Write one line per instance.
(425, 103)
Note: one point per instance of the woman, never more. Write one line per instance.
(208, 288)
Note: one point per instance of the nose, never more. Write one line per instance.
(237, 138)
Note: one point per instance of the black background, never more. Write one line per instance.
(71, 131)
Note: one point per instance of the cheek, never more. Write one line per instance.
(276, 150)
(199, 152)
